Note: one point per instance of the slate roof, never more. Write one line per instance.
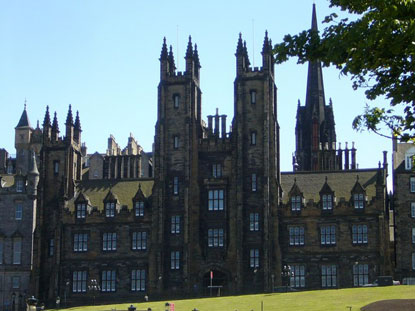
(341, 182)
(24, 120)
(124, 190)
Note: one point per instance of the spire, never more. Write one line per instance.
(189, 51)
(172, 65)
(77, 121)
(247, 62)
(69, 118)
(196, 56)
(266, 46)
(55, 125)
(314, 19)
(46, 120)
(163, 55)
(239, 47)
(24, 119)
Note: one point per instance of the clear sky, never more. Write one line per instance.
(101, 57)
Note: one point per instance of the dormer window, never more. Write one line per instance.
(327, 201)
(139, 208)
(296, 203)
(359, 200)
(110, 209)
(80, 211)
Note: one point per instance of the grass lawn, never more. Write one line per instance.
(321, 300)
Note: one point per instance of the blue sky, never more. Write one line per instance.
(101, 57)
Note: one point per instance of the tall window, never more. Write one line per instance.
(139, 241)
(296, 235)
(327, 202)
(328, 235)
(138, 280)
(215, 237)
(17, 251)
(108, 279)
(328, 276)
(19, 211)
(81, 210)
(359, 234)
(253, 97)
(19, 186)
(254, 258)
(359, 200)
(217, 170)
(56, 167)
(110, 209)
(296, 203)
(1, 250)
(139, 208)
(175, 185)
(412, 183)
(413, 209)
(16, 282)
(360, 274)
(216, 200)
(253, 182)
(413, 235)
(79, 281)
(176, 142)
(80, 242)
(253, 138)
(175, 224)
(297, 278)
(51, 247)
(413, 261)
(254, 222)
(109, 241)
(176, 100)
(175, 260)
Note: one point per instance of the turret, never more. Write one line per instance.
(77, 129)
(240, 57)
(46, 126)
(267, 59)
(172, 65)
(197, 63)
(33, 176)
(55, 129)
(164, 64)
(69, 126)
(190, 63)
(23, 133)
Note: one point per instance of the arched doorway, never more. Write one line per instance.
(214, 283)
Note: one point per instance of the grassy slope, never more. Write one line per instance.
(331, 300)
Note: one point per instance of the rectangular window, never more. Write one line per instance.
(253, 182)
(176, 100)
(412, 182)
(408, 162)
(19, 211)
(413, 209)
(1, 250)
(175, 224)
(81, 210)
(217, 170)
(215, 237)
(359, 234)
(296, 203)
(216, 200)
(109, 241)
(360, 274)
(413, 235)
(108, 281)
(109, 209)
(79, 282)
(139, 241)
(17, 251)
(139, 208)
(175, 260)
(359, 200)
(19, 186)
(253, 138)
(175, 185)
(253, 97)
(254, 258)
(296, 235)
(328, 235)
(80, 242)
(15, 282)
(176, 142)
(138, 280)
(327, 202)
(297, 278)
(51, 247)
(328, 276)
(254, 222)
(55, 167)
(413, 261)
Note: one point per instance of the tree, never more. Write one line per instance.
(376, 49)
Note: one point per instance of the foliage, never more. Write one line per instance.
(376, 49)
(333, 300)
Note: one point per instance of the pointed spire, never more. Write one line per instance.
(239, 47)
(69, 117)
(247, 62)
(37, 125)
(196, 56)
(24, 119)
(314, 19)
(189, 51)
(171, 60)
(163, 55)
(77, 124)
(55, 125)
(266, 47)
(46, 120)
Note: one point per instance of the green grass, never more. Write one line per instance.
(321, 300)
